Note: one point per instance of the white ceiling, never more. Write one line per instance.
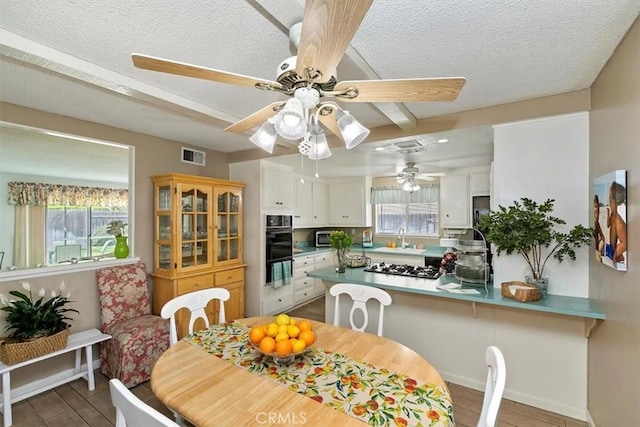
(72, 58)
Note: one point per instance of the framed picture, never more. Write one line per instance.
(610, 219)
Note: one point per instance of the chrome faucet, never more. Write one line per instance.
(401, 233)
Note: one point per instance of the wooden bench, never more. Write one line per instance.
(77, 341)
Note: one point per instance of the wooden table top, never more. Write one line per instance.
(209, 391)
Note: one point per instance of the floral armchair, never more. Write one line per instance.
(138, 337)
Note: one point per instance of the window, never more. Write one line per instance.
(416, 212)
(80, 232)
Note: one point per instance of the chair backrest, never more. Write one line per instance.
(133, 412)
(196, 303)
(360, 294)
(123, 292)
(496, 379)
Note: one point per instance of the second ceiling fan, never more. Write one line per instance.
(327, 28)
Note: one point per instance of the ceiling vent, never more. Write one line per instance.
(193, 156)
(407, 147)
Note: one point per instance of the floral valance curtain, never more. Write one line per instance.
(429, 193)
(38, 194)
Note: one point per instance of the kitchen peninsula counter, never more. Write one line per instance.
(545, 343)
(557, 304)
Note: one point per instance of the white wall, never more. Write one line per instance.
(541, 159)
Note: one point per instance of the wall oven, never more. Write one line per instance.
(279, 241)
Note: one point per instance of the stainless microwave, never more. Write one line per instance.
(322, 238)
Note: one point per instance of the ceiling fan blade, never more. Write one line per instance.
(329, 122)
(255, 119)
(327, 29)
(403, 90)
(189, 70)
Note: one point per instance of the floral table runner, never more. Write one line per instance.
(374, 395)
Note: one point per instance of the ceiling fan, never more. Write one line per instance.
(322, 38)
(408, 176)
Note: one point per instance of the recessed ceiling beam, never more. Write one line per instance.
(23, 50)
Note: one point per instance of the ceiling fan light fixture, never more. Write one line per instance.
(319, 146)
(265, 136)
(353, 133)
(290, 122)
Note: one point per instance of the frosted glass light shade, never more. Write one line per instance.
(265, 137)
(319, 146)
(353, 133)
(290, 122)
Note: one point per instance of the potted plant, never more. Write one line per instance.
(529, 229)
(341, 242)
(38, 326)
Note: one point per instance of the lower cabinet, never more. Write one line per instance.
(306, 288)
(232, 279)
(277, 300)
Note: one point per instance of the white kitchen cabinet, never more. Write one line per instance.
(277, 188)
(311, 207)
(479, 182)
(455, 201)
(350, 202)
(304, 287)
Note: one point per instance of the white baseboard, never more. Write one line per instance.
(569, 411)
(590, 421)
(29, 389)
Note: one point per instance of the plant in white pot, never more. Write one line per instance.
(530, 229)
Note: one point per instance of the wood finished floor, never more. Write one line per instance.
(72, 405)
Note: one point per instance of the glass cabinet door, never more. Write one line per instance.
(194, 233)
(228, 227)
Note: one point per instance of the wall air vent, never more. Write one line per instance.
(193, 156)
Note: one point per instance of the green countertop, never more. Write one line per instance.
(569, 306)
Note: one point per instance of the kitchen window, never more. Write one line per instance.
(415, 212)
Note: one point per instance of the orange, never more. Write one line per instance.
(283, 348)
(308, 337)
(304, 325)
(256, 334)
(267, 344)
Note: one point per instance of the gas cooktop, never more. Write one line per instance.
(428, 272)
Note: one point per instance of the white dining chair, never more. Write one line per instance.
(133, 412)
(195, 302)
(496, 379)
(359, 294)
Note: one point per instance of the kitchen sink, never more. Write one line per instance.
(399, 251)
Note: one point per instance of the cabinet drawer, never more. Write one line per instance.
(229, 276)
(303, 294)
(302, 282)
(195, 283)
(277, 304)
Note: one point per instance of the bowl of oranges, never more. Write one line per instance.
(283, 339)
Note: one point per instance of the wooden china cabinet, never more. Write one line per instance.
(197, 242)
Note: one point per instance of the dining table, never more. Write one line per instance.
(215, 377)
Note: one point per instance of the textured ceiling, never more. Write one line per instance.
(72, 57)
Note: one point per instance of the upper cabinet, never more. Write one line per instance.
(480, 184)
(311, 205)
(455, 201)
(350, 202)
(277, 188)
(198, 224)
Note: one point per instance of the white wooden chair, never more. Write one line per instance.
(360, 294)
(133, 412)
(496, 379)
(196, 303)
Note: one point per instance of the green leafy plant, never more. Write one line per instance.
(340, 240)
(529, 229)
(31, 319)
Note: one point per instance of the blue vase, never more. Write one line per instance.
(122, 249)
